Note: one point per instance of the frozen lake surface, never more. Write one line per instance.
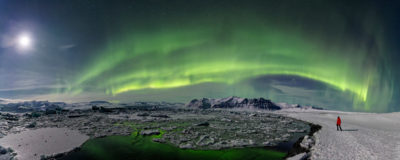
(31, 144)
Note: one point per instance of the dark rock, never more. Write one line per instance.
(77, 115)
(10, 150)
(143, 114)
(203, 124)
(202, 104)
(35, 115)
(105, 110)
(159, 140)
(252, 115)
(205, 103)
(3, 150)
(314, 128)
(160, 115)
(95, 108)
(297, 148)
(10, 117)
(317, 108)
(31, 125)
(50, 111)
(150, 132)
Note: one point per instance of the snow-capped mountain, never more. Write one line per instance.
(28, 106)
(233, 102)
(296, 106)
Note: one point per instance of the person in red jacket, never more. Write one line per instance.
(338, 123)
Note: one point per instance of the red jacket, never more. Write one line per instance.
(338, 122)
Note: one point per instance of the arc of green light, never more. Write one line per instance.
(203, 57)
(137, 83)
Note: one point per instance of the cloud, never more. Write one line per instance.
(67, 46)
(6, 41)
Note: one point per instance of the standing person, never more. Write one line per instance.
(338, 123)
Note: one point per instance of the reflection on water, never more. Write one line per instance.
(143, 148)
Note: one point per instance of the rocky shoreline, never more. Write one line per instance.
(302, 148)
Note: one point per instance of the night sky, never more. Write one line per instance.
(339, 55)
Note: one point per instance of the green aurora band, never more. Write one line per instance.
(223, 49)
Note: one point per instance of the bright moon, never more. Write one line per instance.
(24, 41)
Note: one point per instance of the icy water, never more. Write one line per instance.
(143, 148)
(139, 147)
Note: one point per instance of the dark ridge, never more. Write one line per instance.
(92, 102)
(31, 106)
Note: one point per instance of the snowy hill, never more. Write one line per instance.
(365, 136)
(297, 106)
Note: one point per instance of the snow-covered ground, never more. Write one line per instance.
(31, 144)
(365, 136)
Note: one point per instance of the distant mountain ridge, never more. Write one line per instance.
(297, 106)
(28, 106)
(233, 102)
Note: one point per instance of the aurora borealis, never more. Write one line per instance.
(334, 54)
